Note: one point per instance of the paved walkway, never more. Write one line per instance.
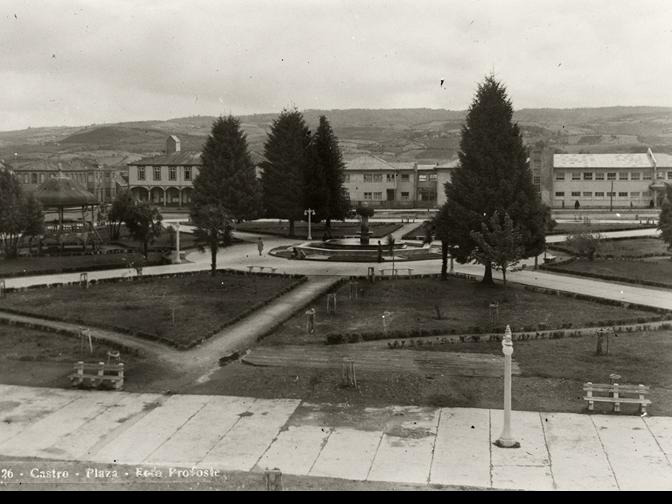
(446, 446)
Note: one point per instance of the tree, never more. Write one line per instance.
(213, 229)
(19, 214)
(144, 224)
(665, 218)
(442, 229)
(227, 176)
(287, 153)
(498, 243)
(585, 244)
(326, 175)
(123, 203)
(390, 242)
(493, 175)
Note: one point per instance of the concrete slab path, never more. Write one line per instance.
(429, 446)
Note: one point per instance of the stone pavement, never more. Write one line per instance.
(444, 446)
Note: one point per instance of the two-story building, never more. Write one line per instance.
(385, 184)
(166, 179)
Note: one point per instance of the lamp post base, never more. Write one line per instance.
(507, 443)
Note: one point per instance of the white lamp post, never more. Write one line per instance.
(310, 212)
(177, 243)
(506, 439)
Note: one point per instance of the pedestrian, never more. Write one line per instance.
(260, 245)
(380, 252)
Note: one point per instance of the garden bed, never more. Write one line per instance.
(338, 229)
(181, 310)
(650, 272)
(464, 307)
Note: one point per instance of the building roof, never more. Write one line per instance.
(602, 161)
(182, 158)
(663, 160)
(75, 164)
(368, 163)
(63, 192)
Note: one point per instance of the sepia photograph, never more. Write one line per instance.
(335, 245)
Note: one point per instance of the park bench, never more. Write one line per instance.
(261, 268)
(98, 374)
(616, 394)
(393, 271)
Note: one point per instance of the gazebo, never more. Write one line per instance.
(61, 193)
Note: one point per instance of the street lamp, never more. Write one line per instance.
(177, 243)
(506, 439)
(310, 212)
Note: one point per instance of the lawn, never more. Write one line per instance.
(631, 247)
(598, 227)
(180, 311)
(658, 271)
(338, 229)
(464, 307)
(61, 264)
(553, 372)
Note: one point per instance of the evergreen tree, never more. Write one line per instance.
(665, 219)
(493, 175)
(122, 204)
(326, 175)
(287, 153)
(143, 222)
(19, 214)
(499, 243)
(226, 188)
(34, 218)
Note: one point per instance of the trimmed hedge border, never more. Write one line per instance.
(637, 228)
(299, 280)
(81, 269)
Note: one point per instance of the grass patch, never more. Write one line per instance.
(598, 227)
(338, 229)
(62, 264)
(629, 247)
(658, 271)
(464, 307)
(180, 311)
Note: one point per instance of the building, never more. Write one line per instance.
(102, 181)
(385, 184)
(167, 179)
(610, 180)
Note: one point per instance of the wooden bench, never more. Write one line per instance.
(98, 374)
(616, 394)
(261, 268)
(393, 271)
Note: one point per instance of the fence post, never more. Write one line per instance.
(84, 280)
(273, 479)
(371, 274)
(331, 303)
(348, 376)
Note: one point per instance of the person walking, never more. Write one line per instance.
(260, 245)
(380, 252)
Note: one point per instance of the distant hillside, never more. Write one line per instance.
(394, 134)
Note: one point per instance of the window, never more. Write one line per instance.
(33, 178)
(588, 176)
(187, 173)
(390, 177)
(588, 194)
(634, 195)
(378, 177)
(377, 195)
(610, 194)
(623, 176)
(404, 195)
(368, 177)
(576, 176)
(622, 194)
(367, 195)
(599, 194)
(635, 175)
(669, 175)
(422, 178)
(576, 194)
(560, 194)
(157, 173)
(599, 176)
(405, 177)
(646, 176)
(172, 173)
(536, 180)
(611, 176)
(141, 173)
(433, 177)
(559, 176)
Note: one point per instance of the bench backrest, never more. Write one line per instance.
(93, 366)
(616, 387)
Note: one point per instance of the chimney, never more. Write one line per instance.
(172, 145)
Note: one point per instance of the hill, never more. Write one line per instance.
(394, 134)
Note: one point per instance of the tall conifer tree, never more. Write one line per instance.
(493, 175)
(287, 153)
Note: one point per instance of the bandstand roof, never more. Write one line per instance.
(63, 192)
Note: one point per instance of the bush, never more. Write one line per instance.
(584, 244)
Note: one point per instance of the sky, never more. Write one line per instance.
(79, 62)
